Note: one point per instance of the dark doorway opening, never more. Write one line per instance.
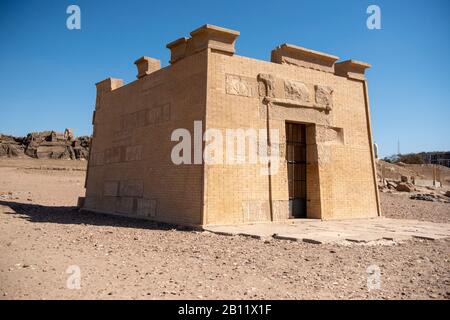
(296, 162)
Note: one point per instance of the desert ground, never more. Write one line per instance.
(42, 235)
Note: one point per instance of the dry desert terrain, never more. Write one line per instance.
(42, 235)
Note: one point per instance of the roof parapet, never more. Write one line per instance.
(352, 69)
(177, 49)
(303, 57)
(146, 65)
(216, 38)
(109, 84)
(206, 37)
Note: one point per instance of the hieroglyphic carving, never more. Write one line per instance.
(114, 154)
(146, 207)
(324, 97)
(134, 120)
(133, 153)
(122, 137)
(280, 209)
(158, 114)
(126, 205)
(119, 154)
(296, 90)
(236, 85)
(136, 205)
(111, 188)
(146, 117)
(97, 158)
(255, 210)
(131, 188)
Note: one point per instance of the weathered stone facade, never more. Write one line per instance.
(130, 169)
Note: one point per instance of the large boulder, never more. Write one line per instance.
(404, 187)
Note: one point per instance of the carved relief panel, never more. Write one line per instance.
(238, 86)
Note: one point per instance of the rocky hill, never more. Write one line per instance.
(46, 145)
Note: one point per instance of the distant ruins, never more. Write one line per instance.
(46, 145)
(316, 107)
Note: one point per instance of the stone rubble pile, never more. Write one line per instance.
(46, 145)
(424, 197)
(11, 146)
(417, 193)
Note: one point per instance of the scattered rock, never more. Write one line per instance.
(391, 184)
(424, 197)
(404, 187)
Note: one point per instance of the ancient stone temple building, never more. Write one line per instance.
(305, 106)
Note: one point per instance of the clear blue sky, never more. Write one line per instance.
(48, 72)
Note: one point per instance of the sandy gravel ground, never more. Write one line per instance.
(41, 236)
(399, 206)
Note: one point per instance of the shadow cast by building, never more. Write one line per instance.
(72, 215)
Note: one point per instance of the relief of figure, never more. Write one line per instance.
(324, 97)
(237, 86)
(296, 90)
(267, 85)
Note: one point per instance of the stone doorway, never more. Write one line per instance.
(296, 168)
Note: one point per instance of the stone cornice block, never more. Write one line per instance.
(215, 38)
(147, 65)
(302, 57)
(108, 85)
(177, 49)
(352, 69)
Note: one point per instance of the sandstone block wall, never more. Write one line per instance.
(130, 171)
(340, 174)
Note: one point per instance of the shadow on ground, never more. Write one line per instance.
(71, 215)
